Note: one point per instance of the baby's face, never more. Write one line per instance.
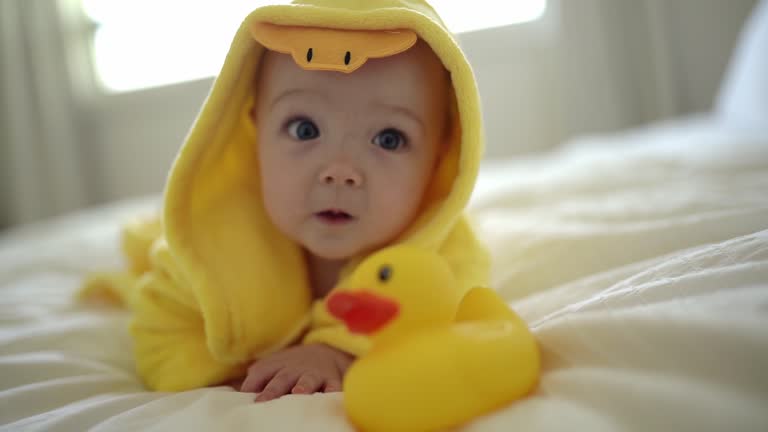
(345, 158)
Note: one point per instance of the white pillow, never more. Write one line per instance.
(743, 98)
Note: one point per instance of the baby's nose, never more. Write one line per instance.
(341, 175)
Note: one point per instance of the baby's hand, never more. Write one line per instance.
(302, 369)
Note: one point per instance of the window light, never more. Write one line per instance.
(146, 43)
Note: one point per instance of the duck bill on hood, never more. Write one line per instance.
(362, 311)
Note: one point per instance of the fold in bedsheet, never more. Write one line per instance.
(640, 261)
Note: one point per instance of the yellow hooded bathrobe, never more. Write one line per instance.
(213, 284)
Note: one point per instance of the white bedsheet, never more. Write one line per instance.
(640, 261)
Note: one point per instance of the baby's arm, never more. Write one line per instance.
(301, 369)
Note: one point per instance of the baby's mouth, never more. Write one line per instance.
(334, 216)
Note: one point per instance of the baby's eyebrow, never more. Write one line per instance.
(402, 110)
(296, 92)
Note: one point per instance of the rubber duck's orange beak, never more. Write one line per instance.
(362, 311)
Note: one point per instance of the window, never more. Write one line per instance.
(145, 43)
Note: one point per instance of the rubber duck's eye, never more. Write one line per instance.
(385, 273)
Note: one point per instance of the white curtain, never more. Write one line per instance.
(40, 157)
(629, 62)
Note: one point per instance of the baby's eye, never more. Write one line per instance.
(390, 139)
(303, 129)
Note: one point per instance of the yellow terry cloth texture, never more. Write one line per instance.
(215, 285)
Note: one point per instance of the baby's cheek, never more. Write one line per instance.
(397, 205)
(281, 199)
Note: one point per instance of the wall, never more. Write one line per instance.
(133, 137)
(588, 66)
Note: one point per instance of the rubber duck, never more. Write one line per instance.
(439, 357)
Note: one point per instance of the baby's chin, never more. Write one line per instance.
(333, 252)
(342, 247)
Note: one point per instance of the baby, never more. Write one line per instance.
(344, 162)
(351, 138)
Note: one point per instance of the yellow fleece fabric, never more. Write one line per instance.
(213, 284)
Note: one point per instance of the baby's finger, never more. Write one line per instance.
(280, 385)
(332, 385)
(258, 377)
(307, 384)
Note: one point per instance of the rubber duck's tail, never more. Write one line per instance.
(483, 304)
(505, 358)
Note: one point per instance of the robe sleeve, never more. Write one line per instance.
(325, 329)
(170, 344)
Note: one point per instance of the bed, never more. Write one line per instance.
(639, 259)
